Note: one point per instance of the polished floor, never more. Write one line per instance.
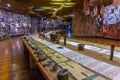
(13, 63)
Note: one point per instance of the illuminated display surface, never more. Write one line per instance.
(112, 14)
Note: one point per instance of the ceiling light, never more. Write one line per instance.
(71, 15)
(8, 5)
(55, 9)
(68, 6)
(46, 7)
(69, 3)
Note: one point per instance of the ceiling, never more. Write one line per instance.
(46, 8)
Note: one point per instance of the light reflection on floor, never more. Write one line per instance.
(12, 60)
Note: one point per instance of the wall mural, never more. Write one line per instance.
(47, 24)
(16, 24)
(97, 20)
(111, 21)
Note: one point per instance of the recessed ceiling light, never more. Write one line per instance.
(55, 9)
(44, 7)
(8, 5)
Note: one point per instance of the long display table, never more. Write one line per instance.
(77, 72)
(46, 71)
(108, 70)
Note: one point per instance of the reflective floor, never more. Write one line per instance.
(13, 64)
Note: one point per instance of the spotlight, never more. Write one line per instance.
(55, 9)
(8, 5)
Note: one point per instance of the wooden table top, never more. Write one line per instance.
(46, 71)
(64, 63)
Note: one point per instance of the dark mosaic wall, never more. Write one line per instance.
(17, 24)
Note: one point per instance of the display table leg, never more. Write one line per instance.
(64, 40)
(112, 52)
